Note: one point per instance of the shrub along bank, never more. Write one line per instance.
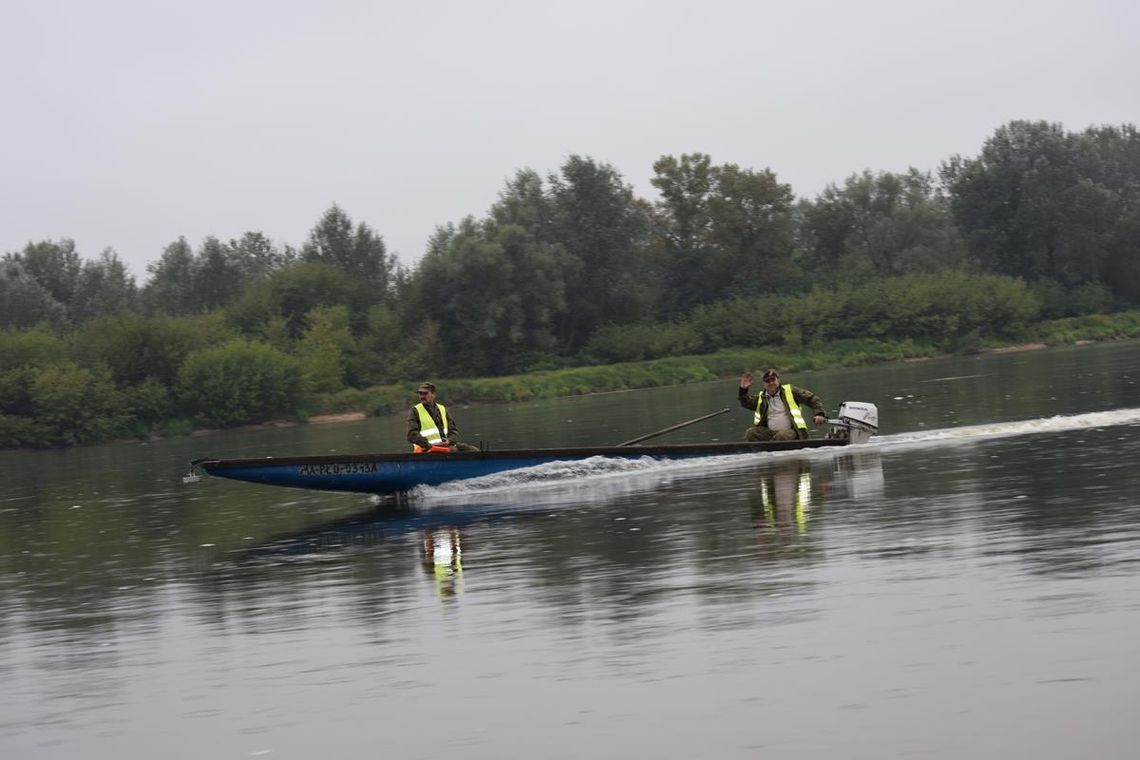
(54, 394)
(724, 363)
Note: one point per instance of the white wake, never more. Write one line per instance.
(969, 433)
(602, 477)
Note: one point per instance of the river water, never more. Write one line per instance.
(966, 585)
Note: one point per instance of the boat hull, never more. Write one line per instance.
(398, 473)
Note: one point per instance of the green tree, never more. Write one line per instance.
(426, 355)
(324, 348)
(938, 309)
(136, 349)
(750, 233)
(171, 288)
(77, 404)
(143, 355)
(104, 288)
(218, 276)
(685, 185)
(360, 254)
(239, 382)
(524, 202)
(879, 225)
(54, 265)
(16, 431)
(23, 353)
(1118, 152)
(378, 358)
(257, 257)
(1034, 203)
(1122, 267)
(32, 347)
(183, 282)
(721, 231)
(602, 227)
(24, 302)
(282, 302)
(493, 293)
(681, 247)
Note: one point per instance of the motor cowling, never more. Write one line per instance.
(857, 421)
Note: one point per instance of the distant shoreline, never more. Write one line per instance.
(317, 419)
(357, 416)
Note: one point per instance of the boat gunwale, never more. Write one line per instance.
(551, 454)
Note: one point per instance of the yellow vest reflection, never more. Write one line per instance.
(785, 496)
(787, 492)
(441, 559)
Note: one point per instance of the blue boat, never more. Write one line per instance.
(397, 473)
(400, 473)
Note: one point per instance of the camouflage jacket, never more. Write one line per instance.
(802, 396)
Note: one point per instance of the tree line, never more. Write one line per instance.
(567, 269)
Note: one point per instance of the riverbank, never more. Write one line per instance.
(1022, 347)
(358, 404)
(723, 364)
(319, 419)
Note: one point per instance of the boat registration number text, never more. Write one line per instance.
(342, 468)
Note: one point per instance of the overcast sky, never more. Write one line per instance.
(129, 123)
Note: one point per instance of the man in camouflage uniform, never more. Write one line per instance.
(778, 416)
(431, 424)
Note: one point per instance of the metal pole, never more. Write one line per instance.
(678, 426)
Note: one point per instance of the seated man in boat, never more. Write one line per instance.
(430, 426)
(778, 416)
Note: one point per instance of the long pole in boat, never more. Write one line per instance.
(670, 429)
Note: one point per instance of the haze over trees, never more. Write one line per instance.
(570, 268)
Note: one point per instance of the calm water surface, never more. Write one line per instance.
(968, 585)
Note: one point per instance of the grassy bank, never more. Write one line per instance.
(386, 399)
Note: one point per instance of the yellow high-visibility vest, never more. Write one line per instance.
(793, 408)
(428, 428)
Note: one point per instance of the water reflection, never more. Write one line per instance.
(788, 493)
(858, 475)
(442, 559)
(783, 497)
(366, 528)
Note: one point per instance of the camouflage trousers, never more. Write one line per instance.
(754, 434)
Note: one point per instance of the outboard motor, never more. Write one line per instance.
(857, 422)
